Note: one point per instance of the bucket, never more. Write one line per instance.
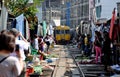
(29, 70)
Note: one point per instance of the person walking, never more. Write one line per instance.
(82, 45)
(9, 66)
(98, 45)
(106, 49)
(86, 45)
(47, 41)
(41, 44)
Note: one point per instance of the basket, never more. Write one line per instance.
(33, 51)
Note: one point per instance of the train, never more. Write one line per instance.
(62, 34)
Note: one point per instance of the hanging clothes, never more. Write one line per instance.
(93, 32)
(44, 28)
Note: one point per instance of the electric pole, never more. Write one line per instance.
(4, 14)
(49, 16)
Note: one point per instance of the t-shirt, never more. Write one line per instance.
(23, 46)
(86, 41)
(47, 41)
(10, 67)
(98, 42)
(36, 43)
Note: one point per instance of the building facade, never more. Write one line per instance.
(104, 8)
(51, 12)
(75, 11)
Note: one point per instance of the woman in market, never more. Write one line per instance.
(98, 45)
(10, 66)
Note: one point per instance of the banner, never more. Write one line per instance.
(68, 14)
(112, 24)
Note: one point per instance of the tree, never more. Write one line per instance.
(17, 7)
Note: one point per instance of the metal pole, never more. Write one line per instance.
(49, 15)
(2, 18)
(4, 14)
(118, 9)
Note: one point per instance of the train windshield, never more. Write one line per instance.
(67, 31)
(62, 31)
(57, 31)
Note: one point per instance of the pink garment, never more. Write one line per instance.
(98, 53)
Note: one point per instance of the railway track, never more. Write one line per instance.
(61, 65)
(56, 64)
(65, 66)
(68, 66)
(89, 69)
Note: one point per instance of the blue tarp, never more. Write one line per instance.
(20, 23)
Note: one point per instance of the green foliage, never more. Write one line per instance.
(17, 7)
